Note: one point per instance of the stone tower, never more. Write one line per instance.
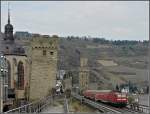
(43, 66)
(84, 74)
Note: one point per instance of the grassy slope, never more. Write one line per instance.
(132, 61)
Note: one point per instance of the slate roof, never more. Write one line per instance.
(10, 47)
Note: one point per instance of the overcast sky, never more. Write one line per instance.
(113, 20)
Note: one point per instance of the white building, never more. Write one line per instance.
(125, 90)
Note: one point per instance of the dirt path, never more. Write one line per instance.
(54, 109)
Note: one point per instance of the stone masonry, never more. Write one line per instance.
(84, 74)
(43, 66)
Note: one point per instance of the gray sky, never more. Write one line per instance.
(112, 20)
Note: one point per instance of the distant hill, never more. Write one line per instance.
(125, 54)
(110, 62)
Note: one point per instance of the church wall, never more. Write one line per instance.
(14, 60)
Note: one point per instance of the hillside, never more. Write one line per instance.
(115, 63)
(110, 62)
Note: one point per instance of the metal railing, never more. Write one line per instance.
(141, 108)
(66, 108)
(36, 106)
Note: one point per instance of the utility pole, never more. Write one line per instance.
(149, 77)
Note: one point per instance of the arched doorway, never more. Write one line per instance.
(20, 79)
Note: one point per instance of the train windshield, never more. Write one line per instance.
(121, 95)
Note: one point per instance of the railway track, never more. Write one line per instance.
(104, 107)
(95, 104)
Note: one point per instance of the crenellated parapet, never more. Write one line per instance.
(43, 42)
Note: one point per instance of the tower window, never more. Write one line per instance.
(51, 53)
(9, 74)
(44, 52)
(20, 79)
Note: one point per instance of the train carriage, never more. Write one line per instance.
(107, 96)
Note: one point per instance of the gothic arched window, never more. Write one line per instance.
(20, 80)
(9, 74)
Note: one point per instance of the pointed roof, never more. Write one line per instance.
(9, 28)
(8, 14)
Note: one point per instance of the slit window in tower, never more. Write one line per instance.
(44, 52)
(51, 53)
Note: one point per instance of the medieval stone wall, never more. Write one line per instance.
(83, 74)
(43, 66)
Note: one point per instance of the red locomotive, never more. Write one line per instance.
(107, 96)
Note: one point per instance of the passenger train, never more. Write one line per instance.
(107, 96)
